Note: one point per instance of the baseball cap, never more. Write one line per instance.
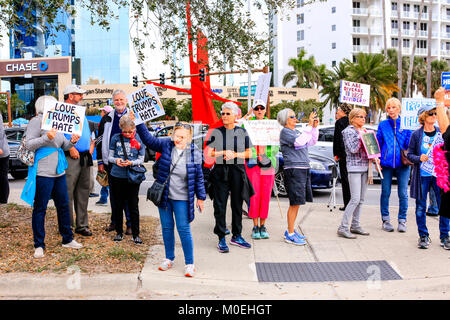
(258, 102)
(73, 88)
(425, 108)
(107, 109)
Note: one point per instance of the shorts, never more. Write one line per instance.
(298, 186)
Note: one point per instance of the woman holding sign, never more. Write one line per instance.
(260, 170)
(423, 178)
(47, 178)
(359, 171)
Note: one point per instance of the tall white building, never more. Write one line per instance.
(338, 29)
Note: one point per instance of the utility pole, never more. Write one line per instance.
(249, 96)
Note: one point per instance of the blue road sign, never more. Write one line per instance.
(243, 90)
(445, 80)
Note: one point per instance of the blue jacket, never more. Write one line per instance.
(414, 152)
(390, 149)
(196, 185)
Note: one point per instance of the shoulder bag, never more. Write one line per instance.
(25, 155)
(136, 173)
(155, 192)
(403, 152)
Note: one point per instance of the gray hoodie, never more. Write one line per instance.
(3, 141)
(37, 138)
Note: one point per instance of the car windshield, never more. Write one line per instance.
(14, 135)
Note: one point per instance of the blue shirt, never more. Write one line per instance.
(85, 140)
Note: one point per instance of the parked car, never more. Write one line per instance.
(17, 168)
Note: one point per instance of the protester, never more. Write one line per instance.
(181, 163)
(79, 160)
(4, 164)
(47, 179)
(421, 181)
(392, 141)
(108, 127)
(230, 145)
(104, 191)
(297, 176)
(261, 177)
(442, 156)
(125, 149)
(359, 171)
(339, 149)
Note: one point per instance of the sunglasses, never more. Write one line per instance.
(292, 117)
(432, 114)
(259, 108)
(182, 125)
(226, 113)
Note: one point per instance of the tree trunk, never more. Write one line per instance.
(384, 28)
(368, 28)
(430, 21)
(411, 58)
(399, 51)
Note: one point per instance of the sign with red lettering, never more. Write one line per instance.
(355, 93)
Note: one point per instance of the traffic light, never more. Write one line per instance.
(162, 79)
(135, 81)
(202, 74)
(173, 76)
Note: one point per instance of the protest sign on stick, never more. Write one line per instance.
(262, 89)
(428, 166)
(410, 107)
(263, 132)
(145, 104)
(354, 93)
(64, 117)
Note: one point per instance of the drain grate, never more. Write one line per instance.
(326, 271)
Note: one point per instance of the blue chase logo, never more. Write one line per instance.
(43, 66)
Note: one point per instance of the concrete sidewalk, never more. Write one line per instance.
(425, 273)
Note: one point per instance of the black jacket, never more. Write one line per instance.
(338, 141)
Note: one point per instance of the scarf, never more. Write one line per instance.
(133, 142)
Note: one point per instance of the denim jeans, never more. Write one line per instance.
(104, 195)
(433, 207)
(421, 206)
(46, 189)
(179, 209)
(402, 174)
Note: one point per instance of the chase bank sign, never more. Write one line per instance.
(35, 66)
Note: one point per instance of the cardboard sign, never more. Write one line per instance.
(370, 143)
(355, 93)
(145, 104)
(263, 132)
(428, 166)
(262, 88)
(410, 106)
(65, 117)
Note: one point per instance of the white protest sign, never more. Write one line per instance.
(64, 117)
(428, 166)
(354, 93)
(410, 106)
(262, 88)
(145, 104)
(263, 132)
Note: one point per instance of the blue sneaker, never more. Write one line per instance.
(222, 246)
(299, 235)
(294, 239)
(255, 233)
(240, 242)
(263, 232)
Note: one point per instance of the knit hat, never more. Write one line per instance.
(346, 108)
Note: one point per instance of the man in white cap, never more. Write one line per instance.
(79, 160)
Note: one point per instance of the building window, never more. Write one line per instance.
(422, 44)
(356, 4)
(300, 35)
(300, 49)
(333, 10)
(447, 28)
(405, 43)
(300, 3)
(333, 63)
(406, 7)
(394, 24)
(423, 26)
(333, 27)
(394, 42)
(300, 18)
(405, 25)
(333, 45)
(394, 6)
(448, 11)
(356, 23)
(447, 46)
(356, 41)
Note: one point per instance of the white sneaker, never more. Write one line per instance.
(39, 253)
(189, 270)
(73, 245)
(165, 265)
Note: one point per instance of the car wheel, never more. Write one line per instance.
(19, 174)
(279, 182)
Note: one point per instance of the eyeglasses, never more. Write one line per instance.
(360, 117)
(226, 113)
(259, 108)
(182, 125)
(432, 114)
(129, 132)
(292, 117)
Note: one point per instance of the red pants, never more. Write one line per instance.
(262, 181)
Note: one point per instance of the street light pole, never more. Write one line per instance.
(249, 95)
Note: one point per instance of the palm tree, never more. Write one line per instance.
(331, 87)
(430, 24)
(376, 71)
(305, 73)
(399, 53)
(437, 67)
